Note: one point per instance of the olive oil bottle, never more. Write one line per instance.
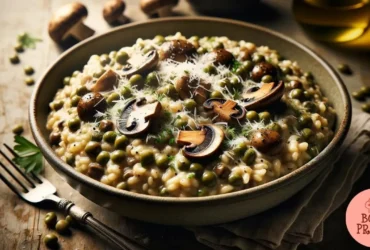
(333, 20)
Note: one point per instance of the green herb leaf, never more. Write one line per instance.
(236, 65)
(28, 41)
(29, 155)
(172, 141)
(171, 158)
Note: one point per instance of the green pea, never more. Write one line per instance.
(216, 94)
(358, 95)
(249, 156)
(56, 105)
(345, 69)
(62, 226)
(117, 156)
(81, 91)
(224, 82)
(365, 90)
(203, 192)
(218, 45)
(287, 71)
(112, 98)
(183, 163)
(267, 79)
(103, 157)
(296, 94)
(75, 73)
(97, 136)
(240, 149)
(196, 168)
(98, 73)
(194, 38)
(28, 70)
(74, 124)
(19, 48)
(310, 106)
(50, 219)
(264, 116)
(74, 100)
(122, 185)
(146, 157)
(70, 160)
(305, 121)
(110, 136)
(189, 104)
(104, 59)
(210, 69)
(18, 129)
(161, 160)
(209, 178)
(366, 107)
(313, 151)
(92, 148)
(258, 58)
(308, 75)
(163, 191)
(179, 123)
(29, 81)
(137, 81)
(120, 142)
(151, 79)
(274, 126)
(235, 179)
(51, 241)
(308, 95)
(66, 80)
(252, 116)
(248, 65)
(122, 57)
(126, 92)
(170, 90)
(158, 39)
(14, 59)
(70, 220)
(235, 82)
(201, 50)
(113, 54)
(306, 133)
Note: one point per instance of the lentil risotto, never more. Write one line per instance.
(185, 117)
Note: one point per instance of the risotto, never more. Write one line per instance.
(185, 117)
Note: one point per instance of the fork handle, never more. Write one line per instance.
(86, 219)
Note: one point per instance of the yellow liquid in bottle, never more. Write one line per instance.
(333, 20)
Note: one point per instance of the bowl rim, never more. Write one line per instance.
(56, 162)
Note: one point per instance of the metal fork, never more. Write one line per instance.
(40, 189)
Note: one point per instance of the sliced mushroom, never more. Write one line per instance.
(68, 21)
(89, 105)
(221, 57)
(160, 8)
(136, 116)
(266, 141)
(225, 109)
(151, 61)
(106, 82)
(268, 93)
(186, 88)
(113, 12)
(263, 68)
(177, 50)
(201, 143)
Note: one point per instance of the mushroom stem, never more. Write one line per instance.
(122, 19)
(193, 138)
(165, 11)
(80, 31)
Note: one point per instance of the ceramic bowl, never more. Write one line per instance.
(196, 210)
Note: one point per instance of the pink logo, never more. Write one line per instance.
(358, 218)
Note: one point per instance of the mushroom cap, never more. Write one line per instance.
(177, 50)
(221, 57)
(151, 6)
(266, 141)
(65, 18)
(263, 68)
(149, 64)
(89, 105)
(113, 9)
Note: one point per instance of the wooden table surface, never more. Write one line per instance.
(21, 224)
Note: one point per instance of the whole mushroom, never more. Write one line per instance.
(68, 21)
(177, 50)
(266, 141)
(221, 57)
(113, 12)
(160, 8)
(89, 105)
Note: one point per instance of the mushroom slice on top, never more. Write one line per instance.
(266, 141)
(106, 82)
(136, 116)
(201, 143)
(150, 62)
(68, 21)
(226, 109)
(177, 50)
(268, 93)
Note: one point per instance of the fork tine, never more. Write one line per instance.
(18, 169)
(15, 155)
(14, 177)
(10, 185)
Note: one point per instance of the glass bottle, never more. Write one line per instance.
(333, 20)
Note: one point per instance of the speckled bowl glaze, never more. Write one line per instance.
(197, 210)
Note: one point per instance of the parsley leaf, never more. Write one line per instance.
(28, 41)
(236, 65)
(29, 155)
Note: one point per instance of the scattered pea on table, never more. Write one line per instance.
(18, 129)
